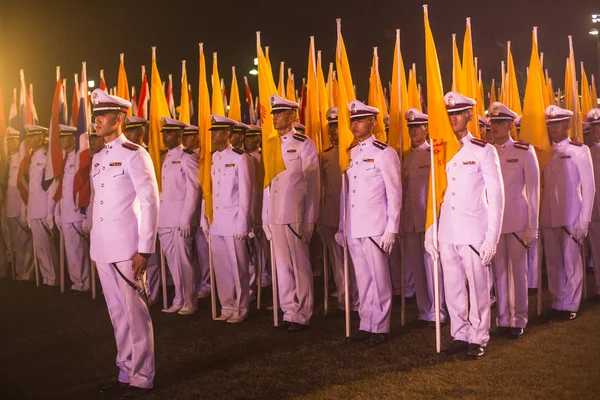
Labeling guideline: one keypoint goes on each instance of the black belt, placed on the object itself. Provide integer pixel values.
(141, 290)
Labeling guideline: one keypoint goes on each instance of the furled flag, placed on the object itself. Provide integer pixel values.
(102, 85)
(572, 96)
(376, 99)
(13, 114)
(54, 161)
(594, 93)
(457, 73)
(205, 137)
(248, 114)
(311, 99)
(34, 115)
(184, 103)
(323, 104)
(134, 105)
(444, 143)
(2, 135)
(533, 122)
(75, 101)
(144, 96)
(414, 99)
(271, 141)
(170, 98)
(83, 157)
(25, 117)
(398, 136)
(224, 92)
(193, 118)
(290, 92)
(586, 98)
(158, 109)
(512, 98)
(492, 92)
(469, 85)
(281, 84)
(345, 96)
(235, 107)
(122, 84)
(218, 107)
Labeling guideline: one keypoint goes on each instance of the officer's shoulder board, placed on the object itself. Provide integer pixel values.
(188, 151)
(521, 145)
(299, 137)
(130, 146)
(576, 143)
(162, 153)
(238, 151)
(352, 146)
(478, 142)
(380, 145)
(326, 150)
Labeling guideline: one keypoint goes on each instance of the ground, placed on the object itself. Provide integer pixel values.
(59, 346)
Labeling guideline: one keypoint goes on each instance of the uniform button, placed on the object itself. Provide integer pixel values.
(101, 201)
(220, 158)
(217, 195)
(276, 191)
(103, 167)
(217, 208)
(354, 191)
(218, 182)
(102, 185)
(106, 151)
(101, 219)
(453, 208)
(354, 176)
(455, 164)
(357, 163)
(161, 201)
(453, 179)
(352, 205)
(219, 170)
(453, 193)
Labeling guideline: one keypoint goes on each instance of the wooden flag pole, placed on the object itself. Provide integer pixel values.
(213, 291)
(163, 276)
(62, 262)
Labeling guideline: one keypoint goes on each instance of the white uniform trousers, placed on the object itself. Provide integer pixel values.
(395, 267)
(77, 252)
(153, 275)
(45, 250)
(132, 325)
(510, 276)
(23, 249)
(563, 264)
(179, 255)
(294, 274)
(336, 260)
(374, 283)
(469, 309)
(533, 265)
(230, 261)
(415, 255)
(594, 236)
(202, 268)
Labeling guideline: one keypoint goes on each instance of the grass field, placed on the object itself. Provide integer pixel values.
(62, 347)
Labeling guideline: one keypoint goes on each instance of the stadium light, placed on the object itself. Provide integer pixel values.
(255, 61)
(91, 84)
(253, 71)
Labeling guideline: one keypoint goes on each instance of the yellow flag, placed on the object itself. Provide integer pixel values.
(271, 142)
(184, 104)
(457, 74)
(290, 92)
(398, 132)
(158, 109)
(235, 106)
(444, 143)
(323, 104)
(376, 98)
(329, 86)
(336, 90)
(551, 98)
(205, 137)
(586, 97)
(312, 121)
(594, 93)
(572, 96)
(122, 84)
(492, 92)
(281, 84)
(217, 105)
(414, 99)
(512, 99)
(345, 96)
(480, 98)
(469, 80)
(533, 122)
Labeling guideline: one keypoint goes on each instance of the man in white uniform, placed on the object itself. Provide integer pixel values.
(566, 213)
(125, 219)
(232, 196)
(521, 177)
(469, 230)
(179, 208)
(15, 213)
(290, 212)
(593, 117)
(69, 218)
(40, 207)
(373, 204)
(416, 170)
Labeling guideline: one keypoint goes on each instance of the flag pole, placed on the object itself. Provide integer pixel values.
(213, 291)
(62, 262)
(259, 269)
(163, 277)
(37, 268)
(93, 274)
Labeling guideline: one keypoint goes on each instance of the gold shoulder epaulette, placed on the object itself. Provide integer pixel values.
(478, 142)
(380, 145)
(576, 143)
(521, 145)
(238, 151)
(188, 151)
(300, 137)
(130, 146)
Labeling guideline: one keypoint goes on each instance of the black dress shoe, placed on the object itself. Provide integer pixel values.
(475, 352)
(296, 327)
(113, 387)
(499, 331)
(569, 315)
(283, 325)
(133, 392)
(458, 346)
(360, 336)
(376, 339)
(516, 333)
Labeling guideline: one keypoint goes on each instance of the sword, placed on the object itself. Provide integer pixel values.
(520, 241)
(294, 232)
(141, 290)
(579, 243)
(81, 235)
(475, 251)
(378, 247)
(51, 234)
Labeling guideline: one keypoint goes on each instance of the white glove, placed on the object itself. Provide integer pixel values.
(487, 252)
(339, 238)
(307, 234)
(185, 230)
(50, 221)
(579, 229)
(85, 227)
(205, 227)
(387, 242)
(241, 235)
(529, 236)
(267, 230)
(431, 246)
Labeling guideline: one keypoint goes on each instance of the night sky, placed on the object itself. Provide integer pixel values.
(37, 35)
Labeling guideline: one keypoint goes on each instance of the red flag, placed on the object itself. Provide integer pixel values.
(102, 85)
(83, 158)
(144, 96)
(75, 102)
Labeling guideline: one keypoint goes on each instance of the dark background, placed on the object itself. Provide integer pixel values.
(38, 35)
